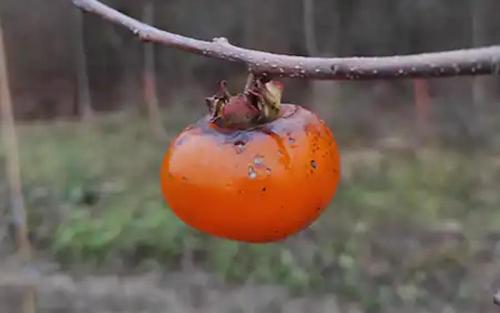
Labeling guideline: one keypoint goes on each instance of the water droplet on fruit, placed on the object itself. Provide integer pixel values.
(375, 72)
(258, 160)
(274, 65)
(252, 174)
(135, 31)
(314, 164)
(268, 171)
(317, 70)
(282, 70)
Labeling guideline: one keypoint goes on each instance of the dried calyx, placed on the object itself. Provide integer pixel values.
(259, 103)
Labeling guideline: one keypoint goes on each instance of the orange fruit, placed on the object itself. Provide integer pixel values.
(259, 184)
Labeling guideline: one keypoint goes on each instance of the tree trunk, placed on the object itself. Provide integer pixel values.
(9, 135)
(422, 107)
(479, 88)
(84, 99)
(309, 27)
(324, 94)
(150, 92)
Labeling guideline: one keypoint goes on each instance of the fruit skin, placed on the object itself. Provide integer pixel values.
(256, 185)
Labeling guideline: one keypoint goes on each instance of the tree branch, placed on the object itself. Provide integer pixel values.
(479, 61)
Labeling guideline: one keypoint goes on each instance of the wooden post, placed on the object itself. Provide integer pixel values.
(9, 137)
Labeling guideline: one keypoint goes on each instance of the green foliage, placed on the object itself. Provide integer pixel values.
(152, 232)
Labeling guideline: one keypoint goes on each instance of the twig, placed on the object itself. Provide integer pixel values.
(479, 61)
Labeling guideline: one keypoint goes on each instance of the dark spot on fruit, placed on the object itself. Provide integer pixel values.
(184, 178)
(318, 209)
(264, 189)
(314, 164)
(237, 138)
(239, 145)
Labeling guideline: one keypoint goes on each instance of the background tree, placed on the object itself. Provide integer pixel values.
(149, 77)
(322, 91)
(83, 90)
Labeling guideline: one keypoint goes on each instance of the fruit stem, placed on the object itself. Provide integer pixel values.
(265, 95)
(259, 103)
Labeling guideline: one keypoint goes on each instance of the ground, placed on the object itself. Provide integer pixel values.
(412, 228)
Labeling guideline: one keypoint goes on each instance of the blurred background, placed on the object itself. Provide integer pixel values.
(415, 224)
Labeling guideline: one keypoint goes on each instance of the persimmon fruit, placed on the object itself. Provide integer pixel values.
(253, 170)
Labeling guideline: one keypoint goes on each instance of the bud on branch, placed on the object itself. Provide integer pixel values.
(478, 61)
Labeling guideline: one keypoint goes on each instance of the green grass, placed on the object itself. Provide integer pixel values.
(402, 229)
